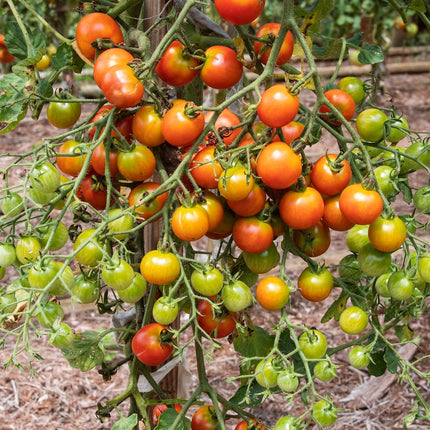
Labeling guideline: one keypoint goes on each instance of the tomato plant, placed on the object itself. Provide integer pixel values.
(315, 285)
(272, 293)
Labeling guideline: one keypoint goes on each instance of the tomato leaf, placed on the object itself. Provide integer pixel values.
(126, 423)
(392, 360)
(336, 308)
(377, 366)
(17, 43)
(417, 5)
(44, 88)
(66, 58)
(168, 417)
(255, 343)
(371, 54)
(249, 396)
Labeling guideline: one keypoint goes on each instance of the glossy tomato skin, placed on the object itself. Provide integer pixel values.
(213, 205)
(96, 26)
(252, 234)
(176, 66)
(387, 234)
(226, 125)
(92, 190)
(253, 203)
(353, 320)
(324, 413)
(277, 106)
(235, 183)
(63, 114)
(204, 418)
(278, 165)
(159, 267)
(99, 159)
(152, 205)
(333, 216)
(146, 126)
(221, 69)
(5, 56)
(373, 262)
(207, 281)
(301, 209)
(180, 129)
(205, 169)
(370, 124)
(342, 101)
(138, 164)
(218, 324)
(236, 296)
(354, 87)
(239, 12)
(90, 254)
(315, 286)
(313, 241)
(359, 205)
(190, 223)
(110, 57)
(313, 344)
(262, 262)
(292, 131)
(330, 181)
(70, 158)
(272, 293)
(148, 346)
(270, 31)
(121, 87)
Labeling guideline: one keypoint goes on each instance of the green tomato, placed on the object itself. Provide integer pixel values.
(325, 371)
(349, 269)
(400, 285)
(7, 303)
(66, 281)
(7, 254)
(313, 344)
(28, 249)
(85, 289)
(118, 276)
(357, 237)
(372, 261)
(358, 357)
(384, 175)
(41, 275)
(262, 262)
(61, 336)
(49, 314)
(135, 291)
(59, 233)
(324, 413)
(381, 285)
(236, 296)
(399, 128)
(287, 381)
(424, 266)
(45, 178)
(266, 374)
(287, 422)
(120, 224)
(354, 87)
(420, 151)
(11, 204)
(2, 272)
(370, 124)
(208, 281)
(422, 199)
(91, 252)
(165, 310)
(40, 197)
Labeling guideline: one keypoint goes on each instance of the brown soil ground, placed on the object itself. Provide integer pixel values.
(60, 397)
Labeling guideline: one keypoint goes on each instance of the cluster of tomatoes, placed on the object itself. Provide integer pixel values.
(243, 181)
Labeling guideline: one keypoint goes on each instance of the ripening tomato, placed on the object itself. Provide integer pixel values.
(277, 106)
(221, 69)
(387, 234)
(99, 160)
(145, 203)
(373, 262)
(179, 126)
(205, 168)
(190, 223)
(207, 281)
(301, 209)
(5, 56)
(176, 66)
(93, 190)
(213, 205)
(63, 114)
(236, 296)
(278, 165)
(110, 57)
(226, 126)
(272, 293)
(239, 12)
(353, 320)
(262, 262)
(96, 26)
(253, 203)
(360, 205)
(330, 177)
(333, 216)
(370, 124)
(313, 241)
(292, 131)
(149, 345)
(235, 183)
(342, 101)
(315, 286)
(252, 234)
(218, 322)
(88, 248)
(70, 157)
(121, 87)
(224, 228)
(138, 164)
(160, 267)
(324, 413)
(252, 425)
(270, 31)
(204, 419)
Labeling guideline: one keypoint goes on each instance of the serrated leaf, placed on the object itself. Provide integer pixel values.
(66, 57)
(371, 54)
(391, 360)
(377, 365)
(44, 88)
(167, 418)
(126, 423)
(249, 396)
(17, 43)
(417, 5)
(256, 343)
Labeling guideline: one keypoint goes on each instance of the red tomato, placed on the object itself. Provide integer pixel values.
(123, 126)
(278, 165)
(205, 169)
(178, 127)
(96, 26)
(359, 205)
(176, 66)
(148, 345)
(253, 203)
(255, 425)
(159, 409)
(110, 57)
(146, 126)
(98, 160)
(277, 106)
(190, 223)
(292, 131)
(342, 101)
(252, 234)
(313, 241)
(121, 87)
(5, 55)
(223, 125)
(221, 69)
(93, 190)
(272, 293)
(327, 179)
(301, 209)
(137, 164)
(204, 419)
(239, 12)
(152, 205)
(224, 228)
(72, 161)
(333, 216)
(270, 31)
(218, 322)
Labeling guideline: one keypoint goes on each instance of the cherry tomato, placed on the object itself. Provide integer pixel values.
(324, 413)
(40, 275)
(420, 152)
(262, 262)
(235, 183)
(313, 344)
(360, 205)
(207, 281)
(292, 131)
(373, 262)
(226, 125)
(236, 296)
(159, 409)
(315, 285)
(424, 266)
(135, 291)
(138, 164)
(421, 199)
(265, 373)
(205, 168)
(224, 228)
(214, 208)
(146, 126)
(221, 68)
(358, 357)
(270, 31)
(387, 234)
(286, 422)
(385, 176)
(99, 159)
(354, 87)
(85, 290)
(119, 223)
(313, 241)
(49, 314)
(148, 345)
(61, 336)
(353, 320)
(253, 203)
(63, 114)
(272, 293)
(357, 237)
(118, 275)
(252, 234)
(325, 371)
(217, 322)
(252, 425)
(239, 12)
(342, 101)
(381, 285)
(28, 249)
(278, 165)
(5, 56)
(121, 87)
(176, 66)
(96, 26)
(349, 269)
(400, 285)
(55, 234)
(7, 254)
(11, 204)
(190, 223)
(165, 310)
(44, 62)
(277, 106)
(159, 267)
(110, 57)
(204, 418)
(88, 248)
(333, 216)
(370, 124)
(93, 190)
(399, 127)
(70, 158)
(152, 205)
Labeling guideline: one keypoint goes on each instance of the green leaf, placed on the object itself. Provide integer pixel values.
(17, 43)
(167, 418)
(392, 360)
(336, 308)
(65, 57)
(404, 333)
(249, 396)
(417, 5)
(377, 366)
(255, 343)
(44, 88)
(126, 423)
(13, 104)
(371, 54)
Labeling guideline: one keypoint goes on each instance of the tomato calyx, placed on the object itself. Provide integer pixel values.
(191, 110)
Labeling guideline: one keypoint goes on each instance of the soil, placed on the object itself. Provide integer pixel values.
(60, 397)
